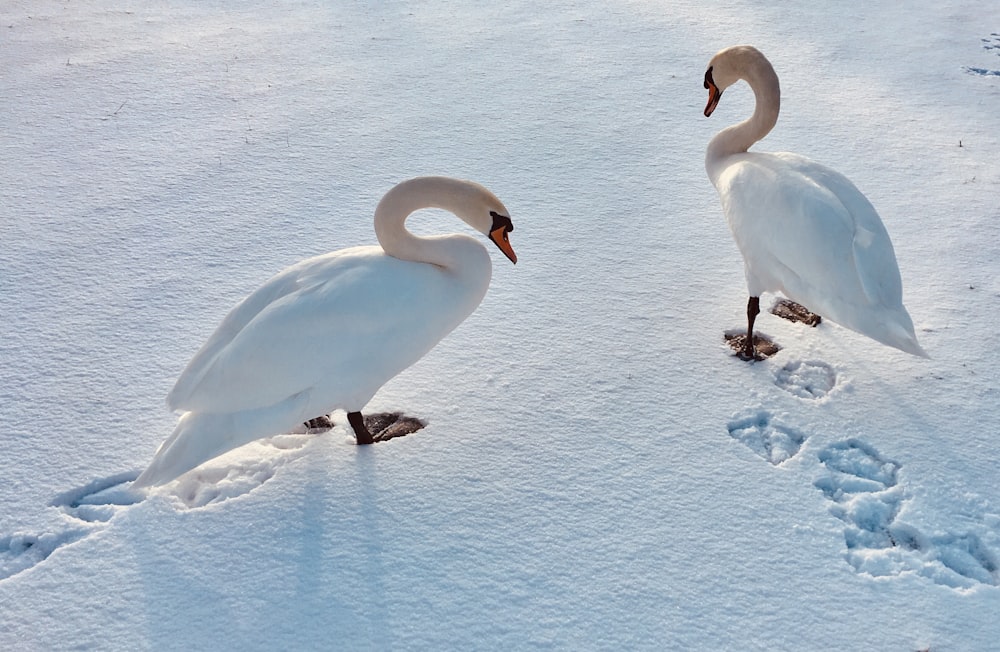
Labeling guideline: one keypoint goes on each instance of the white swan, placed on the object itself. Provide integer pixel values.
(804, 230)
(328, 332)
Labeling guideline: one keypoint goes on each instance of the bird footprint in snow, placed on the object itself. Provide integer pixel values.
(91, 508)
(768, 438)
(99, 500)
(239, 472)
(87, 511)
(21, 550)
(806, 379)
(865, 493)
(990, 44)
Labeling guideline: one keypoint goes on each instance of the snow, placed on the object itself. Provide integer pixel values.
(598, 472)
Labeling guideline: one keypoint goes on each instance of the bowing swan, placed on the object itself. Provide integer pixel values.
(804, 230)
(328, 332)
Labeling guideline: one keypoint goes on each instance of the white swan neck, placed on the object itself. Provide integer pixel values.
(738, 138)
(403, 200)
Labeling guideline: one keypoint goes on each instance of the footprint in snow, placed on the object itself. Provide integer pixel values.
(87, 508)
(90, 508)
(234, 474)
(865, 493)
(99, 500)
(239, 473)
(21, 550)
(990, 44)
(768, 438)
(807, 379)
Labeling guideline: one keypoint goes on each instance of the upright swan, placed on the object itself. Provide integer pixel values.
(328, 332)
(804, 230)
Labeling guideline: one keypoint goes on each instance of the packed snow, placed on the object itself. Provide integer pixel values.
(598, 471)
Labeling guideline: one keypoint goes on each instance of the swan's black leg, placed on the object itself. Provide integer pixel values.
(360, 431)
(753, 309)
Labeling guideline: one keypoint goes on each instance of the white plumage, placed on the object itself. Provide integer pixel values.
(328, 332)
(804, 230)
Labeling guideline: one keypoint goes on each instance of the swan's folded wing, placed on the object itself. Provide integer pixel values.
(343, 331)
(809, 228)
(874, 257)
(286, 282)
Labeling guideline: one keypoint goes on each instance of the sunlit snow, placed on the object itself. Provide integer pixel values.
(598, 471)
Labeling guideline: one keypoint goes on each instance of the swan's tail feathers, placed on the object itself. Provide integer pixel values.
(898, 333)
(910, 345)
(201, 436)
(917, 350)
(197, 438)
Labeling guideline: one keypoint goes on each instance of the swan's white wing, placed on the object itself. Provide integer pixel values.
(874, 257)
(354, 319)
(278, 286)
(807, 231)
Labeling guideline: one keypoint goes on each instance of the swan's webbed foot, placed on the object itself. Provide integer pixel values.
(788, 309)
(384, 425)
(319, 424)
(388, 425)
(762, 349)
(750, 347)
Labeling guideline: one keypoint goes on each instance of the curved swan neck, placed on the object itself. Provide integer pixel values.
(738, 138)
(406, 198)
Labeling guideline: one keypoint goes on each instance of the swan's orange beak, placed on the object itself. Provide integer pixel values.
(498, 234)
(714, 94)
(500, 239)
(713, 99)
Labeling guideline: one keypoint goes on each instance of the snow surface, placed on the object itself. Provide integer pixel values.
(598, 472)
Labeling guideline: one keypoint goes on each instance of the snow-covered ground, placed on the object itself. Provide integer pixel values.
(598, 472)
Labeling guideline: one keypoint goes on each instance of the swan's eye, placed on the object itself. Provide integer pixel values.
(709, 82)
(501, 222)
